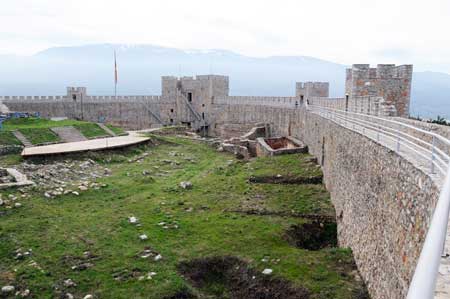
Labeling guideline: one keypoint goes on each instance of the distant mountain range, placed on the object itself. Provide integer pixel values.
(141, 66)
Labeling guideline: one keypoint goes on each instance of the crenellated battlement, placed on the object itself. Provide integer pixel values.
(382, 71)
(87, 98)
(33, 98)
(290, 102)
(191, 100)
(72, 89)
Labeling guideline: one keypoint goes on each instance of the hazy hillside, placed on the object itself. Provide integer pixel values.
(431, 94)
(141, 66)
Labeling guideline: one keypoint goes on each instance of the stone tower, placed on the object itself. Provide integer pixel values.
(76, 93)
(391, 82)
(194, 96)
(304, 90)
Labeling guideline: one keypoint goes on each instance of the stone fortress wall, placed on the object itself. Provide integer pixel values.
(383, 202)
(192, 100)
(127, 111)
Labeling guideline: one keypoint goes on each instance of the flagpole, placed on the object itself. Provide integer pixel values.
(115, 75)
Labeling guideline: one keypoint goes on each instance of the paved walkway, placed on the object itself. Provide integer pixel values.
(82, 146)
(69, 134)
(22, 138)
(443, 279)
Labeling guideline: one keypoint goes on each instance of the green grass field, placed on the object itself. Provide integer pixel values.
(36, 123)
(7, 138)
(285, 166)
(59, 230)
(117, 130)
(37, 130)
(91, 130)
(40, 135)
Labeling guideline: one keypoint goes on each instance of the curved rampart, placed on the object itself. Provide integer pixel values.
(383, 202)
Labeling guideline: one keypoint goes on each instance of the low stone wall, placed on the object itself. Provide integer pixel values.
(279, 146)
(383, 203)
(237, 120)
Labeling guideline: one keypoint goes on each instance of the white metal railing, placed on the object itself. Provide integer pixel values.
(431, 151)
(428, 148)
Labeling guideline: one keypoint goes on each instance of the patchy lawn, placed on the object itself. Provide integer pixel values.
(91, 130)
(117, 130)
(296, 165)
(10, 160)
(36, 123)
(40, 135)
(87, 237)
(8, 138)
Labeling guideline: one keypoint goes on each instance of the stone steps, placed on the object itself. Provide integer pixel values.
(22, 138)
(68, 134)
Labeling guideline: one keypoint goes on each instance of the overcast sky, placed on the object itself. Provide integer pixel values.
(344, 31)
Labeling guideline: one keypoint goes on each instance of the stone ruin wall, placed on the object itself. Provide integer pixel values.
(383, 203)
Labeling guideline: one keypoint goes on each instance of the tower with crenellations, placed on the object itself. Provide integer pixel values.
(389, 81)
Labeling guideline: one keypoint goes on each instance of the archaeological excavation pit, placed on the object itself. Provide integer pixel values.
(314, 235)
(231, 277)
(279, 146)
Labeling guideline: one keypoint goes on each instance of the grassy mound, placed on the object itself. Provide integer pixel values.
(91, 130)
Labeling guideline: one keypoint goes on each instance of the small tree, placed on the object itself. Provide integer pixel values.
(440, 121)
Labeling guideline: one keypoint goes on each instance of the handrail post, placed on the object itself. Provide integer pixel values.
(433, 154)
(346, 107)
(378, 133)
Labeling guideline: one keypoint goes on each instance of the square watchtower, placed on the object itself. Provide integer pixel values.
(389, 81)
(76, 93)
